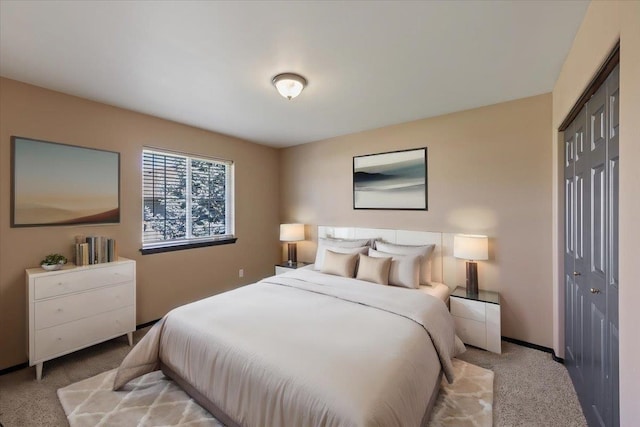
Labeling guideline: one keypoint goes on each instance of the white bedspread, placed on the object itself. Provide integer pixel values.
(306, 349)
(439, 290)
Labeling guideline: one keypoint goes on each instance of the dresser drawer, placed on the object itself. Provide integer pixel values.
(56, 311)
(70, 281)
(81, 333)
(474, 310)
(471, 331)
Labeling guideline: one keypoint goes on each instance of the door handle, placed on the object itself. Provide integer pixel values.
(576, 273)
(595, 290)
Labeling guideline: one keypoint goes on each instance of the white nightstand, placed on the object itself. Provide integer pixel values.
(285, 266)
(477, 318)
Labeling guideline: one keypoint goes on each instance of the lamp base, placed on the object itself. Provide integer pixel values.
(293, 253)
(472, 278)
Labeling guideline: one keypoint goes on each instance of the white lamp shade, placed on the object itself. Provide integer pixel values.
(289, 85)
(471, 247)
(291, 232)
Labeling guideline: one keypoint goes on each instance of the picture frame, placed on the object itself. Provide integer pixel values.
(56, 184)
(394, 180)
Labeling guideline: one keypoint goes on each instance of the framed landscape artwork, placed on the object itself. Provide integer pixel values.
(393, 180)
(59, 184)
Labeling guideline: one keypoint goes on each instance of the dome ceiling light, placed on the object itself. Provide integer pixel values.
(289, 85)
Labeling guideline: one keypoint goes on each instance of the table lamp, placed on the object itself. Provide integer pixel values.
(292, 233)
(471, 248)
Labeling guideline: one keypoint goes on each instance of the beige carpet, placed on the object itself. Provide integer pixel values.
(154, 400)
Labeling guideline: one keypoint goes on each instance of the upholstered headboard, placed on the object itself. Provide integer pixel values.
(442, 264)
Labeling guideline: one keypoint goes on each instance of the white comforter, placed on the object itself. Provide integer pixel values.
(306, 349)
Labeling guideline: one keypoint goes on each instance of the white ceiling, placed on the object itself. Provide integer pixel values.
(368, 64)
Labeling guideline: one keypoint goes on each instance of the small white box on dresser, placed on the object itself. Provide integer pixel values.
(477, 318)
(77, 307)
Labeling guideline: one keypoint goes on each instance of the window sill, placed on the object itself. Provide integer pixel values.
(184, 246)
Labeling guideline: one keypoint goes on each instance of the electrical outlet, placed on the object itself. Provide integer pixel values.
(241, 272)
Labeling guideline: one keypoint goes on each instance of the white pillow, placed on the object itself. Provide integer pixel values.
(373, 269)
(320, 255)
(404, 271)
(340, 264)
(424, 251)
(324, 242)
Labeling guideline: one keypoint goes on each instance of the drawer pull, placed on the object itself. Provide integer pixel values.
(59, 310)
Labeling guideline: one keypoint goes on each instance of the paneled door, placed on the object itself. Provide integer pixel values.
(576, 191)
(591, 253)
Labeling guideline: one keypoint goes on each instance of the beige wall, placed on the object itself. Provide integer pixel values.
(164, 280)
(603, 25)
(489, 172)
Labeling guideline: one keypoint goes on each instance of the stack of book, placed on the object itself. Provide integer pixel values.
(95, 250)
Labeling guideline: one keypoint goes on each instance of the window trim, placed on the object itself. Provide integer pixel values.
(188, 245)
(195, 242)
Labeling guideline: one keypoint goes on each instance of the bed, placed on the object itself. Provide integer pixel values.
(306, 349)
(438, 290)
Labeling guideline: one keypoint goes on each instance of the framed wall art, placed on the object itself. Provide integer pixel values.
(59, 184)
(393, 180)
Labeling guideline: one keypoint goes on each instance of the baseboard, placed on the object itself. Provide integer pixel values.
(26, 364)
(144, 325)
(13, 369)
(535, 347)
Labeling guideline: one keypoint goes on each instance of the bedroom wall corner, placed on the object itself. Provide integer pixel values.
(164, 280)
(629, 316)
(489, 172)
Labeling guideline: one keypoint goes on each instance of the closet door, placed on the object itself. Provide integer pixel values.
(596, 273)
(569, 250)
(576, 246)
(613, 162)
(591, 254)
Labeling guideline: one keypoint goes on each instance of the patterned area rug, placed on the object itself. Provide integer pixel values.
(154, 400)
(466, 402)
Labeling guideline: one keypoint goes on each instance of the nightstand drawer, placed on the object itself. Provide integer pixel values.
(470, 331)
(285, 267)
(282, 270)
(473, 310)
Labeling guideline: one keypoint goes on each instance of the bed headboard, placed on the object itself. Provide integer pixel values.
(443, 266)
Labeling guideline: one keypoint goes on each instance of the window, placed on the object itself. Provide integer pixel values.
(187, 201)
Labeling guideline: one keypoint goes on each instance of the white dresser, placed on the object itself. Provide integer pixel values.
(77, 307)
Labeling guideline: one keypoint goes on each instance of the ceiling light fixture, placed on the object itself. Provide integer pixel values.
(289, 85)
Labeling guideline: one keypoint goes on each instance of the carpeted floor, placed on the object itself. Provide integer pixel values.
(530, 389)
